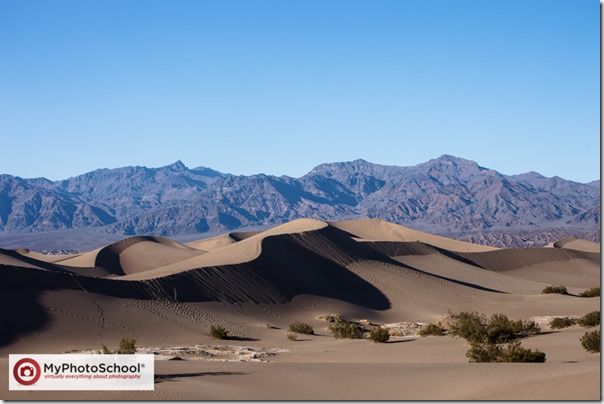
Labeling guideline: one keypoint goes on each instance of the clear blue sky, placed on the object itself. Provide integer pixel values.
(280, 86)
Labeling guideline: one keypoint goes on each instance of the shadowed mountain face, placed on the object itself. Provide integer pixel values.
(447, 195)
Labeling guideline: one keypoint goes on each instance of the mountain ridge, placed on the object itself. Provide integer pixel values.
(444, 195)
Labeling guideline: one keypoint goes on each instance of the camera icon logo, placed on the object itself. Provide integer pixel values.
(26, 371)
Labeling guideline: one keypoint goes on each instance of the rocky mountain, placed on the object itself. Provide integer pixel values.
(447, 195)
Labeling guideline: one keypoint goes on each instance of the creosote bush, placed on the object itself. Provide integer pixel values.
(475, 328)
(432, 329)
(218, 332)
(593, 292)
(562, 322)
(590, 319)
(127, 346)
(334, 318)
(468, 325)
(346, 330)
(301, 328)
(292, 336)
(591, 341)
(379, 335)
(510, 352)
(555, 289)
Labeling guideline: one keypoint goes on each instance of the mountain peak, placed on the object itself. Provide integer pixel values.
(176, 166)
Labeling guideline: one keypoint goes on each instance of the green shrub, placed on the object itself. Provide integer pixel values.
(593, 292)
(379, 335)
(105, 350)
(510, 352)
(562, 322)
(468, 325)
(334, 318)
(591, 341)
(127, 346)
(555, 289)
(475, 328)
(218, 332)
(484, 352)
(590, 319)
(292, 336)
(501, 329)
(346, 330)
(301, 328)
(432, 329)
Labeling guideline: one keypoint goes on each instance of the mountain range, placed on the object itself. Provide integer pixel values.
(447, 195)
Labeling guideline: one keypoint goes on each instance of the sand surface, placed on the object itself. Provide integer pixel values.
(166, 295)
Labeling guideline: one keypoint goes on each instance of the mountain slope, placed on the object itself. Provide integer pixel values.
(447, 195)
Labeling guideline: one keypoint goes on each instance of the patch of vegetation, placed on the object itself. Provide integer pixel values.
(346, 330)
(593, 292)
(105, 350)
(468, 325)
(127, 346)
(475, 328)
(562, 322)
(301, 328)
(218, 332)
(292, 336)
(501, 329)
(510, 352)
(591, 341)
(334, 318)
(590, 319)
(560, 289)
(379, 335)
(432, 329)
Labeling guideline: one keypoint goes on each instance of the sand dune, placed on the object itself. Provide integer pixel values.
(379, 230)
(165, 293)
(578, 244)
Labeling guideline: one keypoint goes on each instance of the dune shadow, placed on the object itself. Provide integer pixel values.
(238, 338)
(20, 311)
(400, 341)
(175, 376)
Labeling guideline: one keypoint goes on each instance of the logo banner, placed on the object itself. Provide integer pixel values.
(81, 372)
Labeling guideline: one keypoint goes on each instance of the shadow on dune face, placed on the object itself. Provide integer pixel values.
(175, 376)
(20, 313)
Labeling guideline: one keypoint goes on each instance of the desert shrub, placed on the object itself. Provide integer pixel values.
(484, 352)
(501, 329)
(591, 341)
(514, 352)
(334, 318)
(469, 325)
(218, 332)
(379, 335)
(510, 352)
(105, 350)
(562, 322)
(475, 328)
(292, 336)
(555, 289)
(431, 329)
(593, 292)
(301, 328)
(590, 319)
(346, 330)
(127, 346)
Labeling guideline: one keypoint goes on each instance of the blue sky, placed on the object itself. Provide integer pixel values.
(280, 86)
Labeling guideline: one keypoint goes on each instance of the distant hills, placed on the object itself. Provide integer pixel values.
(446, 195)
